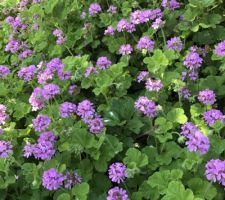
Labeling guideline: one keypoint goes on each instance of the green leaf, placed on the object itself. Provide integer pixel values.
(63, 196)
(135, 159)
(81, 191)
(135, 125)
(176, 191)
(177, 115)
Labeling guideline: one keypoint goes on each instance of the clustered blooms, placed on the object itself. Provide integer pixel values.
(103, 62)
(94, 9)
(153, 85)
(26, 53)
(41, 123)
(43, 149)
(112, 9)
(3, 114)
(146, 106)
(207, 97)
(5, 148)
(175, 44)
(193, 60)
(109, 31)
(15, 23)
(170, 4)
(72, 89)
(117, 193)
(124, 25)
(143, 75)
(220, 49)
(13, 45)
(126, 49)
(67, 109)
(4, 71)
(60, 36)
(86, 111)
(117, 172)
(215, 171)
(185, 92)
(53, 180)
(27, 73)
(145, 43)
(213, 115)
(196, 140)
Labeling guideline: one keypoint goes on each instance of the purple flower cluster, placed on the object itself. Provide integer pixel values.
(41, 123)
(193, 60)
(124, 25)
(60, 36)
(170, 4)
(26, 53)
(94, 8)
(212, 116)
(117, 172)
(72, 89)
(185, 92)
(27, 73)
(215, 171)
(50, 91)
(15, 23)
(220, 49)
(86, 111)
(4, 71)
(158, 23)
(175, 44)
(43, 149)
(126, 49)
(146, 106)
(13, 45)
(71, 179)
(90, 70)
(196, 140)
(117, 193)
(143, 75)
(37, 99)
(109, 31)
(67, 109)
(5, 148)
(145, 43)
(112, 9)
(207, 97)
(3, 114)
(52, 180)
(103, 62)
(153, 85)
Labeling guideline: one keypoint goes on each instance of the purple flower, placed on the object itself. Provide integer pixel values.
(146, 106)
(142, 76)
(43, 150)
(124, 25)
(109, 31)
(94, 9)
(23, 3)
(5, 148)
(117, 193)
(72, 89)
(117, 172)
(193, 75)
(55, 65)
(146, 43)
(71, 179)
(14, 22)
(220, 49)
(47, 136)
(207, 97)
(185, 92)
(36, 99)
(153, 85)
(90, 70)
(188, 128)
(60, 36)
(96, 125)
(183, 75)
(103, 62)
(112, 9)
(28, 150)
(175, 44)
(50, 91)
(41, 122)
(13, 46)
(52, 180)
(215, 171)
(193, 60)
(170, 4)
(158, 23)
(4, 71)
(27, 73)
(44, 76)
(85, 110)
(3, 114)
(67, 109)
(25, 54)
(198, 142)
(126, 49)
(212, 116)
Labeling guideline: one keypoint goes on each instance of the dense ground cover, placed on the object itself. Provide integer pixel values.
(112, 100)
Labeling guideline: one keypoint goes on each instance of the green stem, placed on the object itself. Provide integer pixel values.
(164, 38)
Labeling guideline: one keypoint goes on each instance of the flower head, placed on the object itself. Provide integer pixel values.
(41, 123)
(96, 125)
(143, 75)
(117, 193)
(117, 172)
(175, 44)
(212, 116)
(67, 109)
(103, 62)
(193, 60)
(71, 179)
(50, 91)
(4, 71)
(94, 8)
(3, 115)
(5, 148)
(170, 4)
(27, 73)
(146, 43)
(85, 110)
(109, 31)
(207, 97)
(153, 85)
(220, 49)
(126, 49)
(37, 99)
